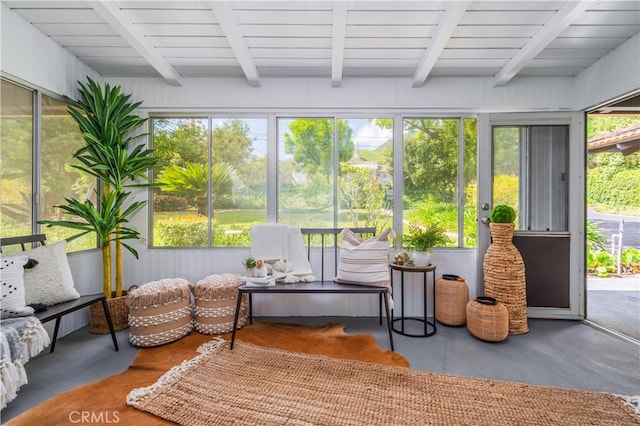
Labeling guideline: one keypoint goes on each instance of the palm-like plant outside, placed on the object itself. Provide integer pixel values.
(106, 119)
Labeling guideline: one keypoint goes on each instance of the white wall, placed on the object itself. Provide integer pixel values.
(29, 55)
(618, 73)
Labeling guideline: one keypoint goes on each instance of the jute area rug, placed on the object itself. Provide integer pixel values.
(254, 385)
(103, 402)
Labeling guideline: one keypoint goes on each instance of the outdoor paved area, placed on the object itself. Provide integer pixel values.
(614, 303)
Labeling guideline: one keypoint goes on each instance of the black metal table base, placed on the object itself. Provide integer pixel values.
(421, 320)
(424, 319)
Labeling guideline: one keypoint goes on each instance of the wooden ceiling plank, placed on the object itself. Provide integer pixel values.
(338, 33)
(569, 12)
(224, 14)
(448, 23)
(110, 12)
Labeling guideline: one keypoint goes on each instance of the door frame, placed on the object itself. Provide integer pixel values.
(576, 202)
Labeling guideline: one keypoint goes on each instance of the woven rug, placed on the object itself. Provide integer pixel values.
(256, 385)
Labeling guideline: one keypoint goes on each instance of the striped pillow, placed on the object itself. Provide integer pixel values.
(364, 262)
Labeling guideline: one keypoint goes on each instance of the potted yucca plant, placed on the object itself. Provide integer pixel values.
(107, 121)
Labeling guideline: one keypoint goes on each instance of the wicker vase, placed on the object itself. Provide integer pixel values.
(119, 315)
(504, 277)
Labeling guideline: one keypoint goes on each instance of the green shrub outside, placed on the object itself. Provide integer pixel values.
(183, 231)
(169, 203)
(618, 189)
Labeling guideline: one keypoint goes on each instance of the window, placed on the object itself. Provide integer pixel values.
(212, 175)
(335, 172)
(530, 166)
(58, 137)
(17, 160)
(439, 166)
(58, 179)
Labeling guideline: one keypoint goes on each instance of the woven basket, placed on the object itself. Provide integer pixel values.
(216, 297)
(504, 276)
(159, 312)
(487, 319)
(118, 311)
(452, 296)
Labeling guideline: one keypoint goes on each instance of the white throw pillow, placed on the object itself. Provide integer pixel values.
(364, 262)
(12, 302)
(50, 282)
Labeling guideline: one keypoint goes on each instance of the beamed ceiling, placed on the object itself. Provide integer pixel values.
(335, 39)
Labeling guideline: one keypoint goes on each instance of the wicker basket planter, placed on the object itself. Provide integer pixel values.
(452, 296)
(487, 319)
(119, 315)
(504, 276)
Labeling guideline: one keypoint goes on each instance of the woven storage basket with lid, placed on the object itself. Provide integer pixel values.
(215, 303)
(487, 319)
(452, 296)
(159, 312)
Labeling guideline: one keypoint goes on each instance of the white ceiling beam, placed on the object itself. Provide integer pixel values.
(559, 22)
(231, 29)
(451, 17)
(112, 14)
(338, 36)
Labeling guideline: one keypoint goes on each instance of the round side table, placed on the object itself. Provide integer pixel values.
(424, 270)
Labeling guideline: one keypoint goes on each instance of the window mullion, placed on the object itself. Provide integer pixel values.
(460, 182)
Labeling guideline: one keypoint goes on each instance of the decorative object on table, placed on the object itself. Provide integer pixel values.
(249, 264)
(452, 296)
(260, 271)
(421, 239)
(504, 271)
(282, 247)
(111, 154)
(487, 319)
(159, 312)
(215, 303)
(401, 258)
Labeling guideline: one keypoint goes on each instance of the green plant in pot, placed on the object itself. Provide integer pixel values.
(249, 263)
(421, 239)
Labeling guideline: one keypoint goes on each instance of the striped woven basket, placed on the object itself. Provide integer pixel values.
(504, 276)
(159, 312)
(215, 303)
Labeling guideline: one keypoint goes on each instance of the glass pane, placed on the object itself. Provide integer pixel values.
(238, 179)
(306, 169)
(547, 199)
(470, 182)
(61, 137)
(430, 175)
(506, 167)
(180, 205)
(365, 182)
(16, 153)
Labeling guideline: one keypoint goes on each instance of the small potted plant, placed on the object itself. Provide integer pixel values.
(249, 263)
(421, 239)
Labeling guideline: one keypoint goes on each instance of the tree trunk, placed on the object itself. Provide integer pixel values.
(106, 269)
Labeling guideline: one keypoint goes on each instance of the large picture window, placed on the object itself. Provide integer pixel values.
(58, 137)
(335, 172)
(212, 179)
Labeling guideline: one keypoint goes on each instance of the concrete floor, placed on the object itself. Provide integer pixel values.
(614, 303)
(554, 353)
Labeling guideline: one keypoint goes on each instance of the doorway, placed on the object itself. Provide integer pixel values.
(613, 217)
(534, 162)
